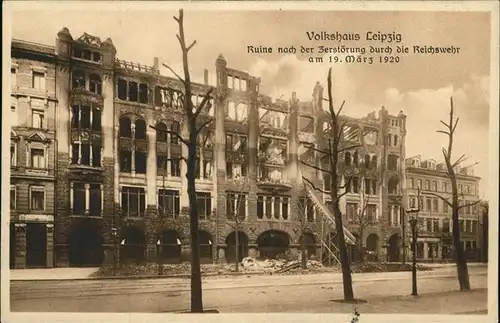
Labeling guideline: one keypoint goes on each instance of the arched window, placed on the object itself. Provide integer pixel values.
(95, 84)
(125, 127)
(78, 80)
(161, 133)
(140, 129)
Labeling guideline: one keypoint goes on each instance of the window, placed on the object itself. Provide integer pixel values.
(412, 183)
(175, 167)
(445, 187)
(13, 76)
(427, 185)
(435, 205)
(96, 57)
(143, 93)
(79, 198)
(395, 140)
(95, 84)
(446, 225)
(413, 202)
(168, 203)
(132, 91)
(371, 213)
(306, 207)
(96, 119)
(474, 226)
(347, 158)
(204, 203)
(140, 162)
(122, 89)
(79, 80)
(85, 117)
(435, 224)
(392, 162)
(133, 201)
(38, 119)
(95, 200)
(12, 197)
(419, 183)
(351, 212)
(355, 185)
(37, 199)
(207, 169)
(125, 161)
(367, 161)
(38, 80)
(434, 186)
(175, 129)
(429, 225)
(368, 186)
(236, 206)
(355, 159)
(428, 204)
(374, 162)
(37, 158)
(13, 154)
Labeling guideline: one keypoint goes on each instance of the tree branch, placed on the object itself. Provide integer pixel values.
(203, 125)
(184, 141)
(172, 70)
(341, 107)
(441, 197)
(349, 148)
(191, 46)
(314, 187)
(201, 106)
(459, 160)
(468, 204)
(315, 167)
(326, 152)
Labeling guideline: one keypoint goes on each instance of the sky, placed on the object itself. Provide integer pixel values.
(419, 85)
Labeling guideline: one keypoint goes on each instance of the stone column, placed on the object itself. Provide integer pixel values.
(293, 156)
(253, 139)
(221, 253)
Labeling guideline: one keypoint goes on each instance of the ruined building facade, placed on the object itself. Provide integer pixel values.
(115, 188)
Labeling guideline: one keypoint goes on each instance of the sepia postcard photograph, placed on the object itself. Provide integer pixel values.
(281, 161)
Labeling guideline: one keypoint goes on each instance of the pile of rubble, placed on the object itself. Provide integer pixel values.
(281, 266)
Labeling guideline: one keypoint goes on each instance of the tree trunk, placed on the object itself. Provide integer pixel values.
(462, 270)
(303, 260)
(196, 290)
(361, 249)
(344, 259)
(237, 243)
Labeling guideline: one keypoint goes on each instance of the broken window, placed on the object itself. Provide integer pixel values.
(207, 139)
(95, 200)
(271, 118)
(125, 161)
(236, 143)
(86, 54)
(392, 162)
(140, 162)
(271, 174)
(175, 128)
(168, 203)
(140, 129)
(158, 96)
(78, 80)
(235, 170)
(96, 119)
(85, 117)
(347, 158)
(204, 203)
(161, 132)
(96, 57)
(277, 207)
(273, 150)
(355, 185)
(237, 112)
(122, 89)
(351, 212)
(351, 133)
(374, 162)
(143, 93)
(132, 91)
(393, 186)
(367, 161)
(75, 120)
(175, 167)
(125, 127)
(236, 206)
(95, 84)
(306, 124)
(370, 137)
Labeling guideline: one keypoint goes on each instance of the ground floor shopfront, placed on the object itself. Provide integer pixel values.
(31, 243)
(442, 250)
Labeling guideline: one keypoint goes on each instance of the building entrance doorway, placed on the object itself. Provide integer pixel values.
(36, 245)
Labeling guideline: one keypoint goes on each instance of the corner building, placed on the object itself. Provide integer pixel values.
(120, 187)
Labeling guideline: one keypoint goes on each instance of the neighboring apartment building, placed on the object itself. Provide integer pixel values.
(120, 186)
(435, 241)
(33, 146)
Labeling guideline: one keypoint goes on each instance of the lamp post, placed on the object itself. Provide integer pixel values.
(413, 222)
(403, 224)
(114, 234)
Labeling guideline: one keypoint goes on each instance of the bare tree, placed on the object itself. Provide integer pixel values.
(302, 228)
(195, 126)
(235, 217)
(460, 259)
(362, 221)
(335, 147)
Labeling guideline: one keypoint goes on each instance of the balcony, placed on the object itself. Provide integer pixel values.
(273, 179)
(83, 96)
(271, 159)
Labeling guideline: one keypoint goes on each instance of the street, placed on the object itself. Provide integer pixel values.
(254, 294)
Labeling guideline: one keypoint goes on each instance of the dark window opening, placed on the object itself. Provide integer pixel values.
(75, 153)
(85, 159)
(367, 186)
(125, 127)
(374, 186)
(277, 207)
(169, 204)
(75, 120)
(161, 132)
(356, 159)
(392, 162)
(125, 161)
(395, 140)
(347, 158)
(158, 97)
(393, 186)
(161, 162)
(175, 128)
(79, 198)
(95, 84)
(95, 199)
(133, 201)
(260, 206)
(122, 89)
(355, 185)
(140, 129)
(327, 181)
(96, 119)
(78, 80)
(86, 54)
(204, 203)
(285, 208)
(132, 91)
(175, 168)
(374, 162)
(140, 162)
(85, 117)
(143, 93)
(96, 155)
(367, 161)
(96, 57)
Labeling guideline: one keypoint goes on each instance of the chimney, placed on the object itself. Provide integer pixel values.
(205, 76)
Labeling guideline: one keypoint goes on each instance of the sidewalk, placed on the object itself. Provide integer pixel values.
(52, 273)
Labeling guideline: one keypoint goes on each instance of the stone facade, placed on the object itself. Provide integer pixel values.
(435, 242)
(118, 188)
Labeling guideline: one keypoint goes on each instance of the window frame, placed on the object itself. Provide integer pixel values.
(37, 188)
